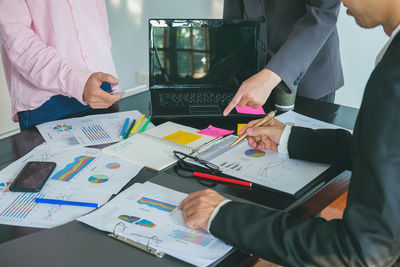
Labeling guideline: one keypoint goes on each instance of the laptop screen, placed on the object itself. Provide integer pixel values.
(218, 53)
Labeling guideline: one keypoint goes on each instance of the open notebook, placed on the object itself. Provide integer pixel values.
(152, 150)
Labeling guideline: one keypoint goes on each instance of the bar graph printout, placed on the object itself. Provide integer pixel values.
(89, 130)
(82, 174)
(149, 211)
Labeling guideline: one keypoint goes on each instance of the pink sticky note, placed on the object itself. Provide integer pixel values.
(214, 131)
(249, 110)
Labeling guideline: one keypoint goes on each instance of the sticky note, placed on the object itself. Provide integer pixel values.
(240, 126)
(249, 110)
(214, 131)
(182, 137)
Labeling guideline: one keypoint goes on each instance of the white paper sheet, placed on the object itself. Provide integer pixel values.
(266, 167)
(82, 174)
(156, 205)
(296, 119)
(89, 130)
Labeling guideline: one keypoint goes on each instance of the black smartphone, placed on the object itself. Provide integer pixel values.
(33, 176)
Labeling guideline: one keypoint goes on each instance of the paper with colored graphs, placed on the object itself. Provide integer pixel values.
(267, 167)
(82, 174)
(150, 217)
(88, 130)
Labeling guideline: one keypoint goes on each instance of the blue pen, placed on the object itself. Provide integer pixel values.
(124, 128)
(64, 202)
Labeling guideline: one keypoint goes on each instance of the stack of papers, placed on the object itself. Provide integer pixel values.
(82, 174)
(150, 215)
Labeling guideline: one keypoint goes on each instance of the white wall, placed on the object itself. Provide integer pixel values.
(128, 21)
(358, 48)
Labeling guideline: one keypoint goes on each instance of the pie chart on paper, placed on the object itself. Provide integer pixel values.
(98, 179)
(254, 153)
(113, 165)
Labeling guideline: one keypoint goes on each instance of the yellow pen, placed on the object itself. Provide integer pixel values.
(137, 124)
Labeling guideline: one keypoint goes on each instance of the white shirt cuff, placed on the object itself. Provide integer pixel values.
(284, 140)
(215, 212)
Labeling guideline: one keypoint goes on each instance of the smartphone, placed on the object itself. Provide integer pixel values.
(33, 176)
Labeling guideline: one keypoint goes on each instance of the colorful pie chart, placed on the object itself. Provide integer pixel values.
(254, 153)
(62, 128)
(113, 165)
(98, 179)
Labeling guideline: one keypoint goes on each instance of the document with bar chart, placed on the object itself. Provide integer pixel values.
(82, 174)
(89, 130)
(150, 216)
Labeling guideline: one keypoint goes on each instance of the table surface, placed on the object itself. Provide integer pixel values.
(80, 235)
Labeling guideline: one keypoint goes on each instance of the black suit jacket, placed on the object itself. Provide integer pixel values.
(298, 41)
(369, 233)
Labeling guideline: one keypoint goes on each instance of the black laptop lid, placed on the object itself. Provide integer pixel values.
(188, 53)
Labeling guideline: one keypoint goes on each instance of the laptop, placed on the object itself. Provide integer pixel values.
(197, 65)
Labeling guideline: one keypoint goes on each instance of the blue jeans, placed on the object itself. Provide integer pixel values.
(55, 108)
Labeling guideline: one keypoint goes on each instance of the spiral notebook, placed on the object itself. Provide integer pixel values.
(154, 148)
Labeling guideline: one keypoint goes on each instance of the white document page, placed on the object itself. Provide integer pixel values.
(89, 130)
(82, 174)
(266, 167)
(149, 212)
(296, 119)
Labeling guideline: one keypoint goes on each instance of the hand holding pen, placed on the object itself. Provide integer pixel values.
(266, 136)
(257, 124)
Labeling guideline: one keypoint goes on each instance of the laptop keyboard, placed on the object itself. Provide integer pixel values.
(180, 99)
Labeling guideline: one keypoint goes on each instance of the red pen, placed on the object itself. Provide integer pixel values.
(222, 179)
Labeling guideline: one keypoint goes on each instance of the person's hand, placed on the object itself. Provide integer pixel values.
(198, 207)
(97, 97)
(254, 91)
(266, 136)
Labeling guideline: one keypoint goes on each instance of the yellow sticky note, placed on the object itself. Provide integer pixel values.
(240, 126)
(182, 137)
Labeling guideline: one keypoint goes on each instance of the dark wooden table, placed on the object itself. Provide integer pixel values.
(16, 146)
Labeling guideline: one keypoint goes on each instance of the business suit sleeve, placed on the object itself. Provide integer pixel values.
(308, 36)
(369, 233)
(332, 146)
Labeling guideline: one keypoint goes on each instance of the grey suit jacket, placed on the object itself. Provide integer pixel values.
(369, 233)
(298, 41)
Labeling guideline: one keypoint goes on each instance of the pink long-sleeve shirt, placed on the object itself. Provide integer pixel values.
(51, 47)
